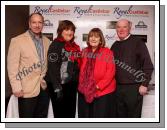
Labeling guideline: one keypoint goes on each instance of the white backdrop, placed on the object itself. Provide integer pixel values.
(86, 17)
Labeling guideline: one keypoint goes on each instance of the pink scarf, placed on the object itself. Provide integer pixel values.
(87, 85)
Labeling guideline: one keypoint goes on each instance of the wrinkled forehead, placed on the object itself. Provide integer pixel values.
(123, 23)
(36, 17)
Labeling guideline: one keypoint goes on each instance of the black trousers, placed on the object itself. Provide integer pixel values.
(129, 101)
(64, 107)
(101, 107)
(36, 107)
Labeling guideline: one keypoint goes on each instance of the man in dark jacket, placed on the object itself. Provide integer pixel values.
(133, 71)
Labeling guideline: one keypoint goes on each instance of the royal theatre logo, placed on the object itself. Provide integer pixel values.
(129, 12)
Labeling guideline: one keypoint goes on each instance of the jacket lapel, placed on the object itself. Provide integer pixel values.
(45, 47)
(31, 43)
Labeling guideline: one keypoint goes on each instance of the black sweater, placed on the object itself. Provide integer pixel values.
(60, 69)
(133, 63)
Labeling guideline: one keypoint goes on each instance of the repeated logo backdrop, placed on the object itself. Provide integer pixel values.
(86, 17)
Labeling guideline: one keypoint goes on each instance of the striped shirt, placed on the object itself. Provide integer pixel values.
(39, 45)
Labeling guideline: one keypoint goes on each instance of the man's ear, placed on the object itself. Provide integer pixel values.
(130, 24)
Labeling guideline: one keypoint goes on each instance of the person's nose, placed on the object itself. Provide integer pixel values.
(121, 30)
(38, 25)
(93, 38)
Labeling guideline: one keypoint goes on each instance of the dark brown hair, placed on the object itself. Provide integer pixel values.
(65, 25)
(96, 32)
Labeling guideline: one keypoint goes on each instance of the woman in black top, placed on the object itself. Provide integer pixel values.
(63, 70)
